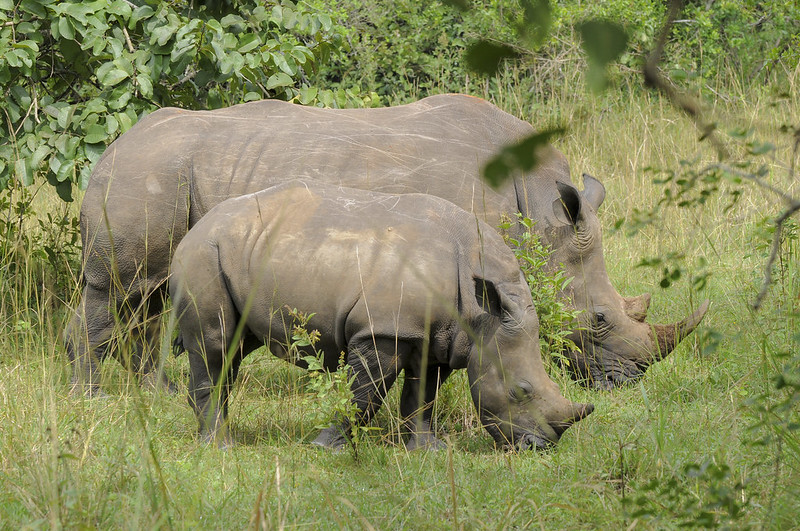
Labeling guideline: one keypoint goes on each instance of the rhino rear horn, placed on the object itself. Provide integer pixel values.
(667, 337)
(636, 307)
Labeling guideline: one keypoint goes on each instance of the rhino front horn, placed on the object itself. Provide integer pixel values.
(667, 337)
(575, 413)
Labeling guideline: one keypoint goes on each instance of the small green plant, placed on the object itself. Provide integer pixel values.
(556, 317)
(330, 392)
(702, 495)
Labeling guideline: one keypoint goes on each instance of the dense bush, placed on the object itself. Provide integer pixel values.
(405, 50)
(74, 75)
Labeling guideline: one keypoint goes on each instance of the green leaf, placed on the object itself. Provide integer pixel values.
(83, 177)
(760, 148)
(113, 76)
(308, 95)
(93, 152)
(64, 191)
(485, 57)
(23, 172)
(96, 134)
(65, 116)
(249, 42)
(603, 41)
(140, 13)
(65, 170)
(278, 79)
(7, 4)
(519, 156)
(39, 155)
(145, 85)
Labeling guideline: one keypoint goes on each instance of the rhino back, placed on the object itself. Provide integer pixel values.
(358, 260)
(164, 174)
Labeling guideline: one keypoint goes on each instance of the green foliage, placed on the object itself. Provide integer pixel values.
(330, 392)
(556, 317)
(74, 75)
(519, 156)
(404, 49)
(746, 38)
(47, 245)
(704, 495)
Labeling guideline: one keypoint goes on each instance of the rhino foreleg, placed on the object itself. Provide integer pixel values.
(417, 410)
(375, 364)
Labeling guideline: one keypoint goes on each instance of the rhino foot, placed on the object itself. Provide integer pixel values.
(153, 382)
(88, 390)
(332, 438)
(424, 441)
(223, 441)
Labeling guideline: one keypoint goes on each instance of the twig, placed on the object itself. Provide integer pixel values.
(773, 255)
(653, 78)
(746, 175)
(128, 39)
(794, 206)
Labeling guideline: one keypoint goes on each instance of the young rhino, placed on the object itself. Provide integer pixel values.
(397, 282)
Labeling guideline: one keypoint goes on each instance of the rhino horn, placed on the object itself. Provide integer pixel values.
(667, 337)
(636, 307)
(573, 413)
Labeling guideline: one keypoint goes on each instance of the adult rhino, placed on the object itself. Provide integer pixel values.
(159, 178)
(397, 282)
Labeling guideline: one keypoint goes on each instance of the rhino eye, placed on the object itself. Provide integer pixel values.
(600, 317)
(522, 392)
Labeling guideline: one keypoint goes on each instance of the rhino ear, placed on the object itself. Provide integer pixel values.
(487, 296)
(593, 191)
(567, 208)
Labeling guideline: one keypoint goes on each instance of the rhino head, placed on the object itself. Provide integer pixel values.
(615, 343)
(518, 403)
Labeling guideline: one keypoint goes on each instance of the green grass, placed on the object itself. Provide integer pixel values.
(133, 461)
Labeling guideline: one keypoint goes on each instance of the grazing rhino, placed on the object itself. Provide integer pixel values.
(397, 282)
(159, 178)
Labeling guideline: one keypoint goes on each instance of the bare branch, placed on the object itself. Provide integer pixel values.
(751, 177)
(684, 102)
(773, 255)
(128, 39)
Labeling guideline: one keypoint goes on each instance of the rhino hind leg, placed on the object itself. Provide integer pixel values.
(145, 360)
(93, 334)
(88, 339)
(209, 393)
(207, 320)
(417, 410)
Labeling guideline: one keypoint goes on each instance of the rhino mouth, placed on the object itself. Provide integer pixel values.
(612, 371)
(531, 441)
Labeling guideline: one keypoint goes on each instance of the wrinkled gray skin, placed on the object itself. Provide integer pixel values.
(159, 178)
(397, 282)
